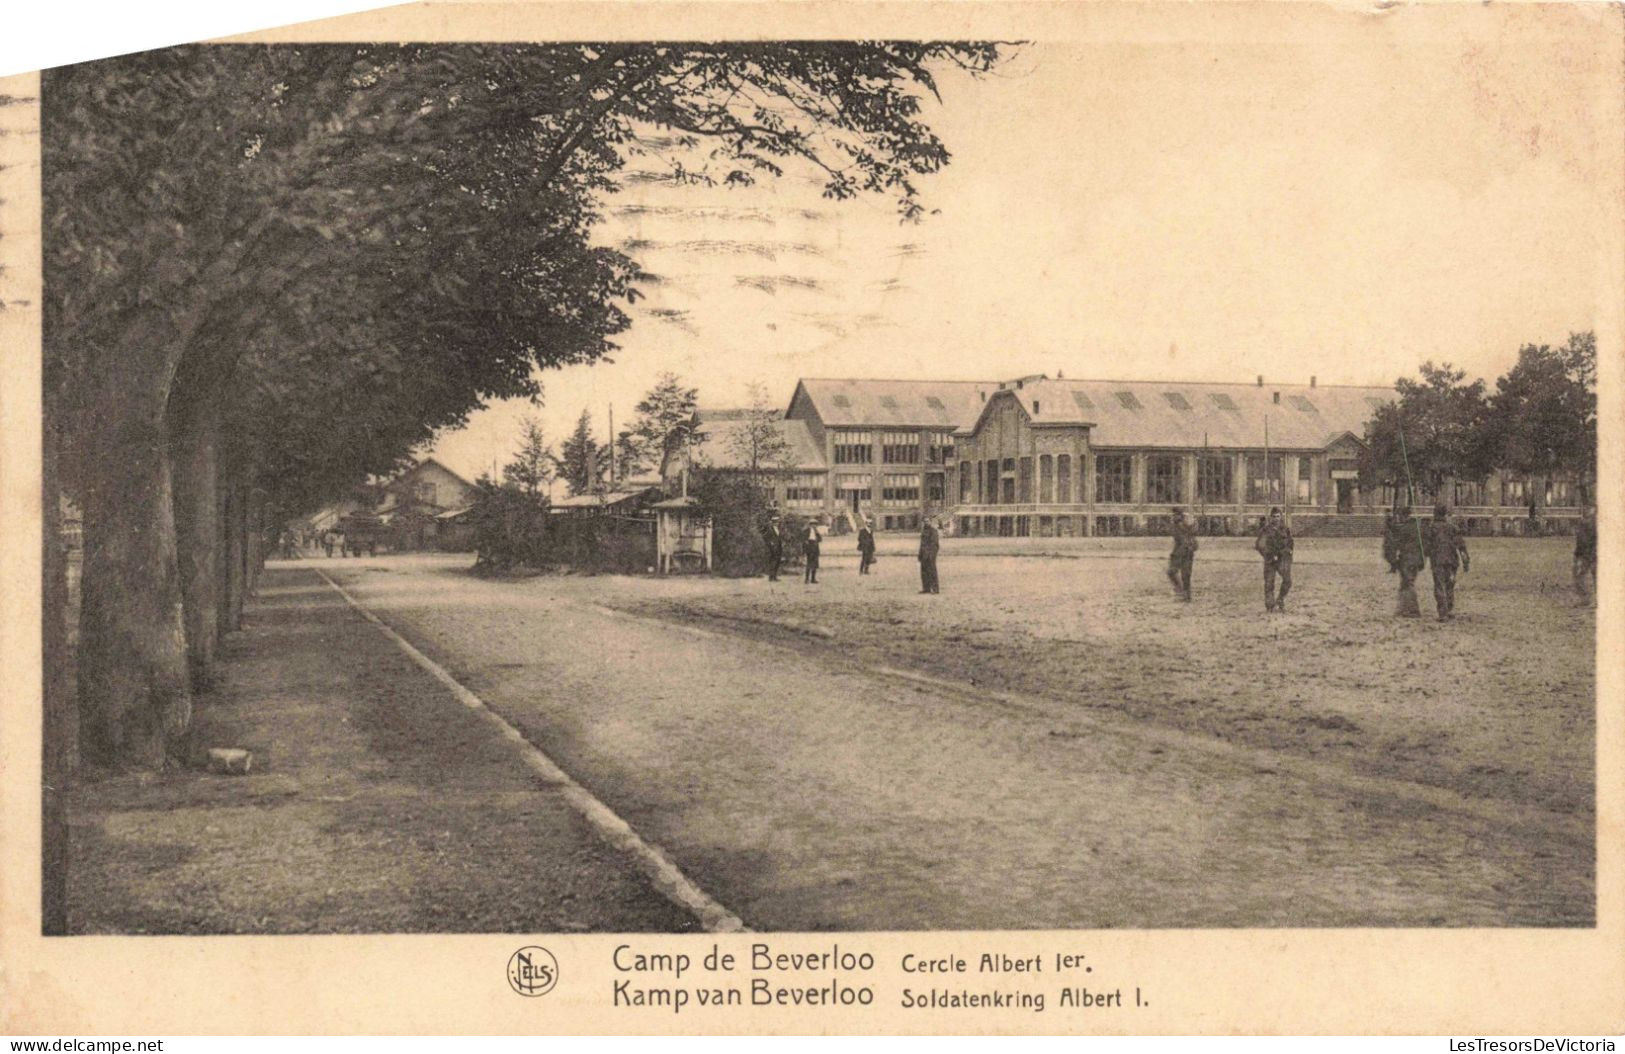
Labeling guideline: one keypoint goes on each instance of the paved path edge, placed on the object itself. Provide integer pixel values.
(654, 864)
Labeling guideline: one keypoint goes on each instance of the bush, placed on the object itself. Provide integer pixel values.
(740, 509)
(601, 544)
(509, 527)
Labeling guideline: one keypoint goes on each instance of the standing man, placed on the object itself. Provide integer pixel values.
(930, 543)
(866, 546)
(1390, 543)
(1447, 548)
(774, 537)
(1184, 554)
(1585, 553)
(1410, 554)
(1275, 546)
(811, 543)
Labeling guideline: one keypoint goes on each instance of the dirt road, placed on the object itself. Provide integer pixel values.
(806, 790)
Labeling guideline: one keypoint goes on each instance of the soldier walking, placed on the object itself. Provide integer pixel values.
(1410, 555)
(811, 543)
(1585, 553)
(930, 543)
(1183, 556)
(866, 546)
(774, 537)
(1447, 548)
(1275, 546)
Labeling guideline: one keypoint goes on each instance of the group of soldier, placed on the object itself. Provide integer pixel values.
(1408, 546)
(1274, 544)
(812, 544)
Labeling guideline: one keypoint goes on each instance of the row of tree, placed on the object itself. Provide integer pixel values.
(585, 465)
(1540, 420)
(273, 271)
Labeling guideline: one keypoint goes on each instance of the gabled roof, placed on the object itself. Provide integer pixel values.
(1193, 414)
(1045, 407)
(895, 404)
(722, 429)
(421, 466)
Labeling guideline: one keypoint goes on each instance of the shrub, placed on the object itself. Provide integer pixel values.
(509, 527)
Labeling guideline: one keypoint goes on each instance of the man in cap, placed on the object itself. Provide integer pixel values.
(1183, 556)
(1275, 546)
(930, 543)
(811, 543)
(773, 536)
(866, 545)
(1447, 549)
(1411, 555)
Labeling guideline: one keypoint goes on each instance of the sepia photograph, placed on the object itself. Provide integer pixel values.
(823, 482)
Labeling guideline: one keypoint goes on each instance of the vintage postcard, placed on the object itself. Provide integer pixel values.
(826, 517)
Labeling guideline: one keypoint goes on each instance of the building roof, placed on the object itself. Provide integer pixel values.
(722, 428)
(1191, 414)
(847, 403)
(423, 466)
(593, 500)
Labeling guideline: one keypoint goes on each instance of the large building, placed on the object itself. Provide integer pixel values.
(1037, 456)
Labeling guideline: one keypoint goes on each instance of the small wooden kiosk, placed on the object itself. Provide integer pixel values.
(683, 539)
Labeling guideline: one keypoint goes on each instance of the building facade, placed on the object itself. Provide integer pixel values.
(1046, 457)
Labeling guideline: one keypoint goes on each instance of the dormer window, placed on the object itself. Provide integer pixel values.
(1035, 406)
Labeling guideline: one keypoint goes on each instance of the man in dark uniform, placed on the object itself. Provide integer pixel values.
(773, 535)
(1184, 554)
(1447, 548)
(930, 543)
(811, 543)
(1585, 553)
(1390, 543)
(1275, 546)
(866, 546)
(1411, 556)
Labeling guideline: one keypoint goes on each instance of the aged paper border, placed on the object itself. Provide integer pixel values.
(1472, 982)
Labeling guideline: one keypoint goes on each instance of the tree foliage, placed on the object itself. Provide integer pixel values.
(1438, 429)
(759, 444)
(1545, 409)
(531, 469)
(341, 249)
(580, 459)
(664, 415)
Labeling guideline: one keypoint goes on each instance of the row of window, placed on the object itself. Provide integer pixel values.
(896, 448)
(1011, 481)
(1514, 493)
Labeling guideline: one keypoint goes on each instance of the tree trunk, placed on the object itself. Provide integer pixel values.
(233, 559)
(256, 540)
(57, 733)
(134, 689)
(196, 467)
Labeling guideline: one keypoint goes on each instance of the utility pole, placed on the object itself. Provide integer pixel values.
(611, 441)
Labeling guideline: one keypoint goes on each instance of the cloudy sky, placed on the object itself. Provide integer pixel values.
(1344, 204)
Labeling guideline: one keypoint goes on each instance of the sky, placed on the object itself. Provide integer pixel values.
(1344, 204)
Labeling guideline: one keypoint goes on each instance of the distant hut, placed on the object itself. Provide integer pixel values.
(683, 537)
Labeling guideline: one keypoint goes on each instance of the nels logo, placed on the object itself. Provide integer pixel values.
(532, 970)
